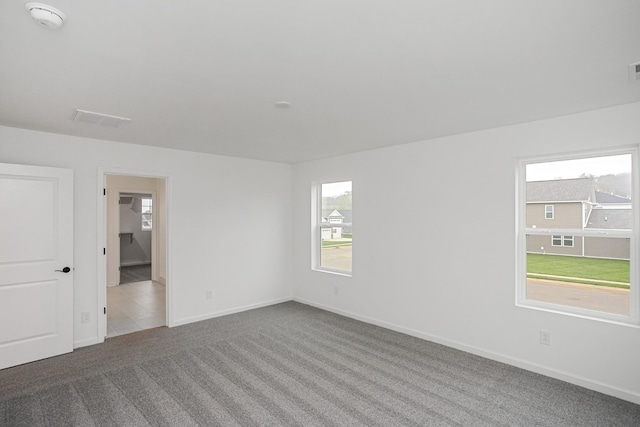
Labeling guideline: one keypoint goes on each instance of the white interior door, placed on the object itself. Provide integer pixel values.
(36, 244)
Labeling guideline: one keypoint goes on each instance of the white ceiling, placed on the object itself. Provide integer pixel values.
(204, 75)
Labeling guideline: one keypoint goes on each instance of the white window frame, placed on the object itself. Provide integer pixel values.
(551, 211)
(522, 231)
(563, 240)
(318, 225)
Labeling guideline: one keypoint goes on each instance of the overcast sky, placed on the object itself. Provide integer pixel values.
(575, 168)
(335, 188)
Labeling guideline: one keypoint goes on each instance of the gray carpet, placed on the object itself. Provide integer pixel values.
(290, 364)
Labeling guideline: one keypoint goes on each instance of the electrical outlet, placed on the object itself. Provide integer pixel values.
(545, 338)
(208, 294)
(85, 317)
(336, 290)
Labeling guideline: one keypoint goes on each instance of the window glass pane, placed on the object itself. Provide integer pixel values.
(593, 283)
(147, 209)
(548, 211)
(590, 196)
(336, 240)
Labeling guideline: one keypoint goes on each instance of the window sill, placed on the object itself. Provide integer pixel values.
(614, 319)
(335, 272)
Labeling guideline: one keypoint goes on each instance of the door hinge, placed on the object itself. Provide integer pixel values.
(104, 191)
(104, 251)
(105, 310)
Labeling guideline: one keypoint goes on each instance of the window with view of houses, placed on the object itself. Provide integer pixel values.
(334, 230)
(147, 214)
(577, 236)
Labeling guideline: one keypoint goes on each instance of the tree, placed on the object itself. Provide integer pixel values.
(342, 201)
(618, 184)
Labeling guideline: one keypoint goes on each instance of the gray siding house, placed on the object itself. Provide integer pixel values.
(574, 204)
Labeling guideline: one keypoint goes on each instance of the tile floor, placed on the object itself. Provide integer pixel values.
(135, 306)
(135, 273)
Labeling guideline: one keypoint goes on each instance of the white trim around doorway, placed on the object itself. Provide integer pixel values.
(101, 302)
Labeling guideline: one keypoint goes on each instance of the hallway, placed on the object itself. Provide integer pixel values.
(134, 307)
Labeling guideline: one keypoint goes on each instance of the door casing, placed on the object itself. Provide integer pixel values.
(102, 241)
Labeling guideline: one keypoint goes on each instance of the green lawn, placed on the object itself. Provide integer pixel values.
(326, 243)
(588, 268)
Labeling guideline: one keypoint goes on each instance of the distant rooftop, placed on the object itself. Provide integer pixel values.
(610, 198)
(560, 190)
(611, 219)
(347, 214)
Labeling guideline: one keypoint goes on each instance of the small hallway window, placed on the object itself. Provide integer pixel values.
(147, 214)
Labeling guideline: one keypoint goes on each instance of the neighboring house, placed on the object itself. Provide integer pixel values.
(341, 220)
(574, 204)
(611, 213)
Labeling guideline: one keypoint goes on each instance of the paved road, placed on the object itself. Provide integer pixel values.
(600, 298)
(338, 257)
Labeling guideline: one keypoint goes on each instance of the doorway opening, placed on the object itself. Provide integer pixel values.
(136, 226)
(136, 254)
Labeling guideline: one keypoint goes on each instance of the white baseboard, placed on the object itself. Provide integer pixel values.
(533, 367)
(207, 316)
(162, 280)
(134, 263)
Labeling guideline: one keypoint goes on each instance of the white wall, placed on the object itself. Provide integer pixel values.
(448, 273)
(229, 222)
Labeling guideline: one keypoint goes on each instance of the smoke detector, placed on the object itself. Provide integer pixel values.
(47, 16)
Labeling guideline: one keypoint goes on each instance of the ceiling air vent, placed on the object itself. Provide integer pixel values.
(99, 118)
(634, 72)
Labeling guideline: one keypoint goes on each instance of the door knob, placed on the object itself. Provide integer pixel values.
(64, 270)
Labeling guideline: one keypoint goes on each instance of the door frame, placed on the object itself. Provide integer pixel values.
(102, 242)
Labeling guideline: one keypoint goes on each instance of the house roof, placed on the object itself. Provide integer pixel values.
(205, 75)
(345, 213)
(562, 190)
(619, 219)
(610, 198)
